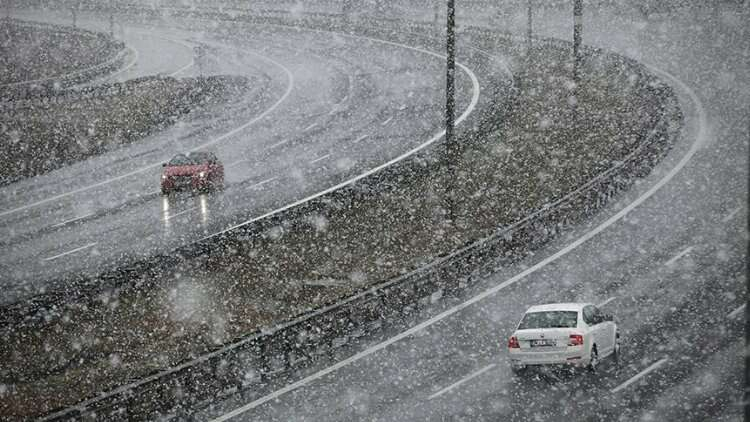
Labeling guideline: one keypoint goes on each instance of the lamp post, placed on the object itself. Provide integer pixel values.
(450, 142)
(528, 27)
(577, 36)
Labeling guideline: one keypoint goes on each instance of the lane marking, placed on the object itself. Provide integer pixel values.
(169, 217)
(360, 138)
(700, 139)
(71, 251)
(320, 159)
(463, 380)
(259, 184)
(388, 120)
(731, 214)
(184, 44)
(111, 76)
(236, 163)
(639, 375)
(605, 302)
(736, 312)
(310, 127)
(278, 144)
(290, 87)
(678, 256)
(73, 220)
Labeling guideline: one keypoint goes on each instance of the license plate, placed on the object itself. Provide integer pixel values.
(543, 343)
(183, 181)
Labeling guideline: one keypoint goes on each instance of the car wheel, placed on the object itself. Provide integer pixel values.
(517, 370)
(594, 360)
(616, 352)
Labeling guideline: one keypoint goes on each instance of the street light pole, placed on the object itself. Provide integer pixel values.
(528, 27)
(577, 36)
(450, 142)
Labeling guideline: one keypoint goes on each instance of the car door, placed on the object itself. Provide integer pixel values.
(595, 329)
(606, 330)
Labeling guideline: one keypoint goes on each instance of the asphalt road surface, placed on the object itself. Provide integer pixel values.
(322, 109)
(668, 259)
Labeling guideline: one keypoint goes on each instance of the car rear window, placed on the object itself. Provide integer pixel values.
(549, 319)
(180, 160)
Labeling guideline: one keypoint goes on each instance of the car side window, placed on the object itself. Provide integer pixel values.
(588, 315)
(598, 315)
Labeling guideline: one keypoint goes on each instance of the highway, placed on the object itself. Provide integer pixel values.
(668, 259)
(322, 109)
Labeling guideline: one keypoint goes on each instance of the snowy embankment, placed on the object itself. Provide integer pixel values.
(359, 260)
(39, 57)
(43, 133)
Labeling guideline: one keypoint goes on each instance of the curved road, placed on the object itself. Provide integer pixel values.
(668, 259)
(322, 109)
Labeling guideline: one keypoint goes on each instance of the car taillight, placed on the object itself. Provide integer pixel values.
(575, 340)
(513, 343)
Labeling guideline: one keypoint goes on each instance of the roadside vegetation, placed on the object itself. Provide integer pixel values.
(555, 136)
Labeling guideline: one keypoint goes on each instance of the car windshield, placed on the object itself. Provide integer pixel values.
(180, 160)
(549, 319)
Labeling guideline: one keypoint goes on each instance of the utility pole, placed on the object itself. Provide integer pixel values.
(577, 35)
(112, 18)
(528, 28)
(75, 14)
(450, 102)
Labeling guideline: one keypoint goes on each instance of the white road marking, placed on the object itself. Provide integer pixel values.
(278, 144)
(320, 159)
(71, 251)
(731, 214)
(640, 375)
(388, 120)
(192, 56)
(736, 312)
(463, 380)
(678, 256)
(73, 220)
(290, 87)
(605, 302)
(310, 127)
(179, 213)
(259, 184)
(235, 163)
(360, 138)
(136, 56)
(699, 140)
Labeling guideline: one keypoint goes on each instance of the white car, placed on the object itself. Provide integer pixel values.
(573, 334)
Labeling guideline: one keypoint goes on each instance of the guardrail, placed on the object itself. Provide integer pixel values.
(312, 339)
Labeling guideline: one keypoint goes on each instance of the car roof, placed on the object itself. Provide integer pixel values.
(570, 306)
